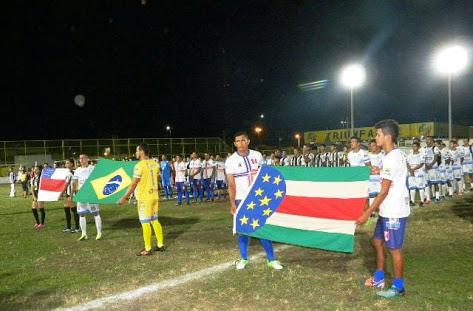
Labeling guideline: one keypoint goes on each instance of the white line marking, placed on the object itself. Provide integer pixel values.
(133, 294)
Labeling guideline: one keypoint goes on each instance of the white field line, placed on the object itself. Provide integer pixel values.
(154, 287)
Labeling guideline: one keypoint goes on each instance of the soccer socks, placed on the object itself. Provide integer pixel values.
(437, 195)
(427, 193)
(378, 275)
(243, 241)
(43, 215)
(76, 216)
(399, 283)
(83, 225)
(421, 194)
(413, 196)
(158, 231)
(147, 236)
(268, 248)
(67, 212)
(35, 214)
(98, 224)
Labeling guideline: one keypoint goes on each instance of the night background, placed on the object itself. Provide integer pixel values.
(209, 68)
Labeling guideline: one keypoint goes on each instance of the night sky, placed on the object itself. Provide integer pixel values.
(209, 68)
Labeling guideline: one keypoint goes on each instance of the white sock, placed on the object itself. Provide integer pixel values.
(427, 193)
(437, 195)
(98, 224)
(83, 225)
(461, 186)
(450, 190)
(421, 194)
(413, 195)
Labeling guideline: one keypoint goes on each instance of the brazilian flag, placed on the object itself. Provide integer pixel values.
(107, 183)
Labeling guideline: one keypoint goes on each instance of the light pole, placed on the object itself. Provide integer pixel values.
(169, 129)
(261, 116)
(451, 61)
(258, 131)
(298, 137)
(353, 76)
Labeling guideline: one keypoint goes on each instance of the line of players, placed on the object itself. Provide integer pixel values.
(194, 177)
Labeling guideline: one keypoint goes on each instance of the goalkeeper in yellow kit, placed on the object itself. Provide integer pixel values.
(145, 186)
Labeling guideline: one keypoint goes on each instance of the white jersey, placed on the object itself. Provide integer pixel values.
(220, 170)
(244, 170)
(429, 155)
(414, 159)
(359, 158)
(396, 203)
(207, 168)
(194, 167)
(467, 156)
(456, 156)
(81, 174)
(444, 156)
(180, 168)
(376, 159)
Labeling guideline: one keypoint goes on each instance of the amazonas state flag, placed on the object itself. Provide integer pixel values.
(311, 207)
(107, 183)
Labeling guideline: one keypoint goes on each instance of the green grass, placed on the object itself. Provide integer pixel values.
(48, 269)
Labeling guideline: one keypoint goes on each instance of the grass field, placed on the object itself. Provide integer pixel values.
(48, 269)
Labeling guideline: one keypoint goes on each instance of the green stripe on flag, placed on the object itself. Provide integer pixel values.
(325, 174)
(314, 239)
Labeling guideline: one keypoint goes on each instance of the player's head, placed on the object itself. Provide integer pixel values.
(355, 143)
(178, 158)
(241, 141)
(217, 157)
(163, 157)
(453, 144)
(387, 132)
(84, 160)
(142, 151)
(429, 140)
(69, 163)
(373, 146)
(206, 156)
(193, 155)
(466, 142)
(415, 146)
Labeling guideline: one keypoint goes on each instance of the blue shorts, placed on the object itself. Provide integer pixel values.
(220, 184)
(391, 231)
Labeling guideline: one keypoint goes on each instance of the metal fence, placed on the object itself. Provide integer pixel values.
(113, 148)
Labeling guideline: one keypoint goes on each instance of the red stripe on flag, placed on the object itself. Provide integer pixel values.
(329, 208)
(55, 185)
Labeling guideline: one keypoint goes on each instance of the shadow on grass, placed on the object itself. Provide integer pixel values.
(28, 211)
(7, 303)
(173, 227)
(464, 209)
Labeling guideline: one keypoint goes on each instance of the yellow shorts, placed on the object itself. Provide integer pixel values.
(147, 210)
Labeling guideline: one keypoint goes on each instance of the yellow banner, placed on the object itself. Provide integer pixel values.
(367, 133)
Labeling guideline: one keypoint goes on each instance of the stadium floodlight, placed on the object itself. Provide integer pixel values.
(451, 60)
(258, 130)
(261, 116)
(352, 76)
(298, 137)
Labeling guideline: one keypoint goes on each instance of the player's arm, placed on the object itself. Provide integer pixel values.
(385, 185)
(131, 189)
(231, 192)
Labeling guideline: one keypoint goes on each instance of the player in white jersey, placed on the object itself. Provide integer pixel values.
(468, 162)
(80, 176)
(241, 168)
(431, 160)
(220, 177)
(357, 156)
(208, 169)
(375, 158)
(445, 185)
(393, 205)
(457, 162)
(415, 181)
(180, 167)
(195, 176)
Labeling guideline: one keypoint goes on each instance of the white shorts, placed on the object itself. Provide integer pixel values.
(416, 182)
(467, 168)
(442, 174)
(433, 176)
(87, 208)
(449, 173)
(374, 185)
(457, 172)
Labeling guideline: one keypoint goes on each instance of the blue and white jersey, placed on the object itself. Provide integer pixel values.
(457, 156)
(359, 158)
(429, 155)
(208, 168)
(244, 169)
(194, 167)
(467, 156)
(376, 159)
(165, 167)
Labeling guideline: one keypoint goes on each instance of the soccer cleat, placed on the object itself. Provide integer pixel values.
(99, 236)
(421, 204)
(40, 226)
(275, 264)
(391, 292)
(144, 253)
(66, 230)
(411, 203)
(83, 238)
(241, 264)
(370, 283)
(160, 248)
(35, 226)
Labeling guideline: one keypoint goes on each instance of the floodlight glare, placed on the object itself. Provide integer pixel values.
(353, 76)
(451, 60)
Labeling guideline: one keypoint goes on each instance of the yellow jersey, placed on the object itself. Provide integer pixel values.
(147, 189)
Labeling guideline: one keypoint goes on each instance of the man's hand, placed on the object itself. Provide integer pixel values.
(233, 208)
(122, 201)
(363, 218)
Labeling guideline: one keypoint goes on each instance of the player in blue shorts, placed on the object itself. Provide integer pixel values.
(165, 168)
(393, 205)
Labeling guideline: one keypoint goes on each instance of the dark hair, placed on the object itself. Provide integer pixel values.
(355, 137)
(240, 133)
(373, 141)
(144, 147)
(416, 143)
(389, 127)
(453, 141)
